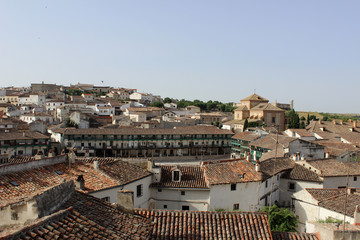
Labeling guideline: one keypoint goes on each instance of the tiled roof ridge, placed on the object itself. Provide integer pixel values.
(32, 160)
(222, 161)
(39, 222)
(140, 210)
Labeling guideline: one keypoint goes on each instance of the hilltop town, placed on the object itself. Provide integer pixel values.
(98, 162)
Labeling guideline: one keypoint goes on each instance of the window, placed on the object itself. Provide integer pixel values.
(14, 183)
(182, 192)
(273, 120)
(139, 190)
(159, 190)
(184, 207)
(106, 199)
(236, 206)
(355, 178)
(291, 186)
(266, 184)
(176, 175)
(233, 187)
(165, 206)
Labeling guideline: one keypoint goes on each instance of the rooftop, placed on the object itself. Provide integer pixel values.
(231, 171)
(191, 177)
(207, 225)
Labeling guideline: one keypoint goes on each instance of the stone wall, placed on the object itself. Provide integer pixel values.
(34, 206)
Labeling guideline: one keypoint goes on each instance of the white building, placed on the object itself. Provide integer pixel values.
(53, 104)
(31, 117)
(145, 98)
(37, 99)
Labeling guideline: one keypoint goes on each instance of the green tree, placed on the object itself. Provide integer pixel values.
(308, 120)
(246, 125)
(167, 100)
(294, 119)
(157, 104)
(281, 219)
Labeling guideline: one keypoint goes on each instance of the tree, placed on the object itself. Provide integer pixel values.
(167, 100)
(281, 219)
(294, 119)
(246, 124)
(157, 104)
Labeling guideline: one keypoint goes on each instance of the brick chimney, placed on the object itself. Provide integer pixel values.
(355, 124)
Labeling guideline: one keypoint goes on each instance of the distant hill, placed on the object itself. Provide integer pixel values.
(321, 115)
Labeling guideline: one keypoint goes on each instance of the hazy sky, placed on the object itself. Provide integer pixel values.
(308, 51)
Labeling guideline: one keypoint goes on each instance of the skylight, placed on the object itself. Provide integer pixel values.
(14, 183)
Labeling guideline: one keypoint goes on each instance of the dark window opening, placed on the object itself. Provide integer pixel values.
(184, 207)
(236, 206)
(139, 190)
(233, 187)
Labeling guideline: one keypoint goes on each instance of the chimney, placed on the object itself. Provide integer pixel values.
(150, 164)
(320, 122)
(248, 158)
(254, 156)
(334, 122)
(327, 155)
(257, 167)
(355, 124)
(357, 215)
(125, 200)
(351, 190)
(341, 122)
(80, 183)
(96, 165)
(275, 103)
(292, 104)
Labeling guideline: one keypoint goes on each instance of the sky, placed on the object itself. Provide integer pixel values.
(308, 51)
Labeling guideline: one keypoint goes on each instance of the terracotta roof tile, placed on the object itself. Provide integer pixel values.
(276, 165)
(332, 167)
(22, 136)
(45, 177)
(321, 194)
(191, 177)
(207, 225)
(246, 136)
(269, 141)
(124, 172)
(334, 199)
(85, 217)
(302, 173)
(231, 171)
